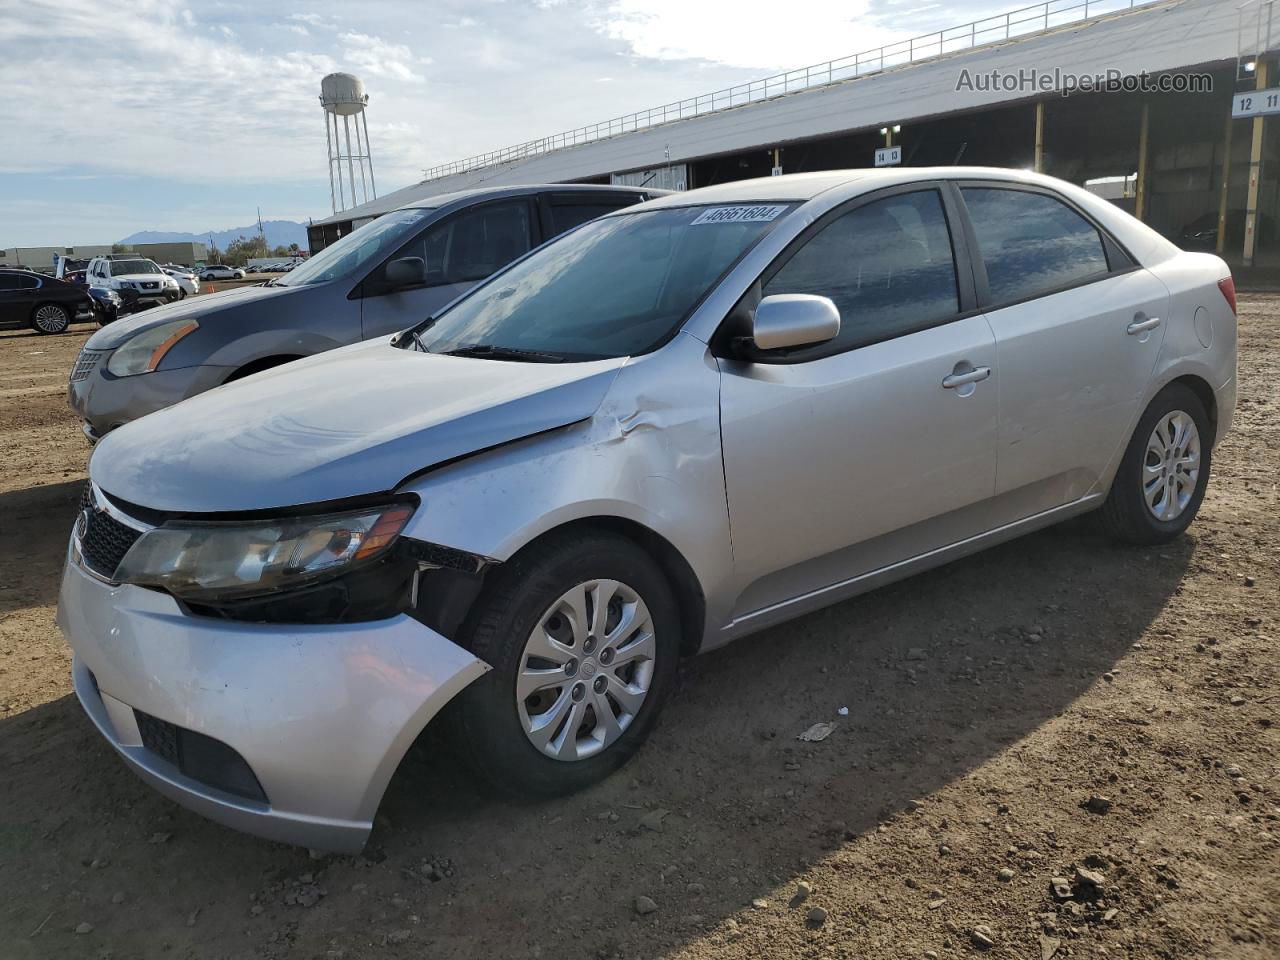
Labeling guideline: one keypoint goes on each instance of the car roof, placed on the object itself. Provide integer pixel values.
(800, 187)
(443, 199)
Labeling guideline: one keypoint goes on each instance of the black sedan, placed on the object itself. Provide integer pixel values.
(41, 302)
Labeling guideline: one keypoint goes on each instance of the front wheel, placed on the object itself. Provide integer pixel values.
(582, 633)
(50, 318)
(1161, 480)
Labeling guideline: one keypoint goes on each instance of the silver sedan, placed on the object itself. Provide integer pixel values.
(671, 427)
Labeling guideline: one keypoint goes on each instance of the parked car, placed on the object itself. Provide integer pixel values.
(188, 283)
(219, 271)
(108, 305)
(669, 428)
(140, 280)
(381, 278)
(44, 303)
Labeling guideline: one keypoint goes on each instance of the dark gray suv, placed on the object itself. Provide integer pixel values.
(383, 277)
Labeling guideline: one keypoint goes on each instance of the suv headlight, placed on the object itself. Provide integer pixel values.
(212, 561)
(143, 353)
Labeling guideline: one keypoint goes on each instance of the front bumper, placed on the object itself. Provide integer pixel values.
(104, 402)
(321, 714)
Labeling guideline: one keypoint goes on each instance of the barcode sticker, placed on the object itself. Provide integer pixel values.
(741, 213)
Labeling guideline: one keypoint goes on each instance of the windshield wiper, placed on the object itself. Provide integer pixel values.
(490, 351)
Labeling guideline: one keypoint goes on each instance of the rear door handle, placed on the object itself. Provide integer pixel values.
(1141, 326)
(975, 375)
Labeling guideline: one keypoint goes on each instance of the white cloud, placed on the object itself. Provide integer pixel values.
(761, 34)
(134, 123)
(757, 34)
(380, 58)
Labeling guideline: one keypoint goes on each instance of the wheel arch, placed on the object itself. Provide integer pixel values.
(1204, 393)
(262, 363)
(685, 585)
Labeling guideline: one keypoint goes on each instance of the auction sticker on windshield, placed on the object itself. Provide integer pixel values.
(741, 213)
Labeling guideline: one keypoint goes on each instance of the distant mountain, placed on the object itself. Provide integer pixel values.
(280, 233)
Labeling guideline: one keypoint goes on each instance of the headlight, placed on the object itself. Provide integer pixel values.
(143, 353)
(212, 561)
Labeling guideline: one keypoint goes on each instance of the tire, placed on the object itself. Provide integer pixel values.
(182, 294)
(1127, 514)
(50, 318)
(488, 723)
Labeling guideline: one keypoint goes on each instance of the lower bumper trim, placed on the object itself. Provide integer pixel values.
(247, 816)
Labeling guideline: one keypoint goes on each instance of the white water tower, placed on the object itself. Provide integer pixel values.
(342, 96)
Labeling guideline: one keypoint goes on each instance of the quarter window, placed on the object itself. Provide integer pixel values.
(888, 266)
(1032, 244)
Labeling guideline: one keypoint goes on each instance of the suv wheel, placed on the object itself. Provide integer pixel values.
(582, 633)
(50, 318)
(1162, 476)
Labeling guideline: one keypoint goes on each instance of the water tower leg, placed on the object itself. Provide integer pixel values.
(351, 168)
(328, 137)
(360, 151)
(369, 154)
(337, 161)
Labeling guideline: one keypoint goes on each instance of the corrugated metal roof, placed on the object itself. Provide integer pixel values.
(1155, 38)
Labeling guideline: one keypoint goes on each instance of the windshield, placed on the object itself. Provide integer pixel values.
(616, 287)
(360, 248)
(120, 268)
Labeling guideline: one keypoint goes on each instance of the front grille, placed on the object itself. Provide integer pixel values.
(104, 540)
(85, 363)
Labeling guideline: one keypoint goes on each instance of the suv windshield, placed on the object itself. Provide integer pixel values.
(121, 268)
(361, 247)
(616, 287)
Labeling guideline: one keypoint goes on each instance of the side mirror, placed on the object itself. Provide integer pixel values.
(794, 320)
(406, 272)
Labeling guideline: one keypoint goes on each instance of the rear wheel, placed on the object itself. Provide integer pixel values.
(50, 318)
(1161, 480)
(582, 633)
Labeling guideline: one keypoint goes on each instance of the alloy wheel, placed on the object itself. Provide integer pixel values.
(51, 319)
(585, 670)
(1171, 467)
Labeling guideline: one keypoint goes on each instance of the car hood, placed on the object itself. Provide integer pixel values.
(348, 422)
(206, 307)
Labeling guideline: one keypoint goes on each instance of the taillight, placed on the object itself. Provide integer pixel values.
(1228, 287)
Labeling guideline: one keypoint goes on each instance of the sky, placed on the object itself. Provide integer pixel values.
(148, 114)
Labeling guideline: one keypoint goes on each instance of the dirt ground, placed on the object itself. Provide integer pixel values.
(988, 702)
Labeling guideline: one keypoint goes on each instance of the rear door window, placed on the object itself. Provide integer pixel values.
(569, 212)
(1032, 244)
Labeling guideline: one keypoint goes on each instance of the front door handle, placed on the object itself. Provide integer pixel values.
(975, 375)
(1141, 326)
